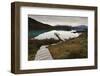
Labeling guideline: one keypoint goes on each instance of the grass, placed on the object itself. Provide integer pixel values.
(34, 45)
(70, 49)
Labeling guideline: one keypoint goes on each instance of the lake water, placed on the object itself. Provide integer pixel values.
(35, 33)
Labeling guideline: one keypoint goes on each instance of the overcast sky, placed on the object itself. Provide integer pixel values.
(60, 20)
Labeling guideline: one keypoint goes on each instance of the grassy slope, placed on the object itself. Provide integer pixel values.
(34, 45)
(73, 48)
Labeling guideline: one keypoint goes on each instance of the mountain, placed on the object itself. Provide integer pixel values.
(62, 27)
(80, 28)
(36, 25)
(57, 35)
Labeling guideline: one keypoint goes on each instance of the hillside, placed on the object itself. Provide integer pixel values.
(62, 27)
(36, 25)
(70, 49)
(80, 28)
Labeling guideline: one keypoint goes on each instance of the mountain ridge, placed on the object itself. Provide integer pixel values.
(36, 25)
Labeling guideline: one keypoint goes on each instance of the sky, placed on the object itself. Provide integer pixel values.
(60, 20)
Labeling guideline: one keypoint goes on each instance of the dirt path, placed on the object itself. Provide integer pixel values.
(43, 54)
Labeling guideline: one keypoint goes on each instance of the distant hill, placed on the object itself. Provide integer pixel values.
(36, 25)
(62, 27)
(80, 28)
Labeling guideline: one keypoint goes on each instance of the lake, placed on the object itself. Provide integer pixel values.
(35, 33)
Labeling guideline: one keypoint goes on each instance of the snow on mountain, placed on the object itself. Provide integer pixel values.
(54, 34)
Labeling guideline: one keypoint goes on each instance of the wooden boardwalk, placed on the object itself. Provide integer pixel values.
(43, 54)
